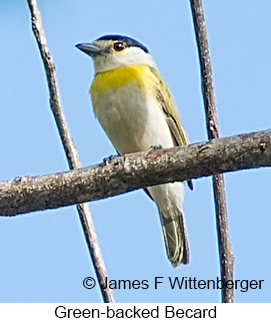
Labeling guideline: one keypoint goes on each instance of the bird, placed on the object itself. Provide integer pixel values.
(137, 111)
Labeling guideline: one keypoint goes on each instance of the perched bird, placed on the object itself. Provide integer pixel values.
(137, 111)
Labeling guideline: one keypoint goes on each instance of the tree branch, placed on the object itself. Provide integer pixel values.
(69, 147)
(225, 251)
(125, 173)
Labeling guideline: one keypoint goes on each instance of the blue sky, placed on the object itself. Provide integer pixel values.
(43, 255)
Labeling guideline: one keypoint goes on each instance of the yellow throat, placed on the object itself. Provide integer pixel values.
(116, 78)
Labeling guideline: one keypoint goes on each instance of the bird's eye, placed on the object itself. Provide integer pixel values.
(118, 46)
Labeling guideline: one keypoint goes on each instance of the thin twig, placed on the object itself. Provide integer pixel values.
(69, 147)
(225, 251)
(129, 172)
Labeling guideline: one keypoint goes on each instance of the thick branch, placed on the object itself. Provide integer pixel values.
(125, 173)
(69, 147)
(225, 251)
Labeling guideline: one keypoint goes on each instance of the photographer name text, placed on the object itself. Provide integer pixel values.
(182, 283)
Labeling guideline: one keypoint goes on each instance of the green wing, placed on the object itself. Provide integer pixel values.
(168, 105)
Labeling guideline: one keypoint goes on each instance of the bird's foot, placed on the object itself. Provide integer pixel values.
(109, 159)
(156, 147)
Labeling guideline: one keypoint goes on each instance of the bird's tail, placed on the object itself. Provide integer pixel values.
(174, 231)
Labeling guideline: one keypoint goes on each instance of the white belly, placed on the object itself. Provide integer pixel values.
(132, 121)
(135, 123)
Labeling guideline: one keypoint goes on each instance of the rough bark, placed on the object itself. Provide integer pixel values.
(125, 173)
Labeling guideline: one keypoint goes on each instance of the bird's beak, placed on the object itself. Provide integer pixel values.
(89, 49)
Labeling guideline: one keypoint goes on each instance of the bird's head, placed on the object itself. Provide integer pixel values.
(112, 51)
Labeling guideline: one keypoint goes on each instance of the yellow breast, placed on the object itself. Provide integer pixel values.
(123, 103)
(116, 78)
